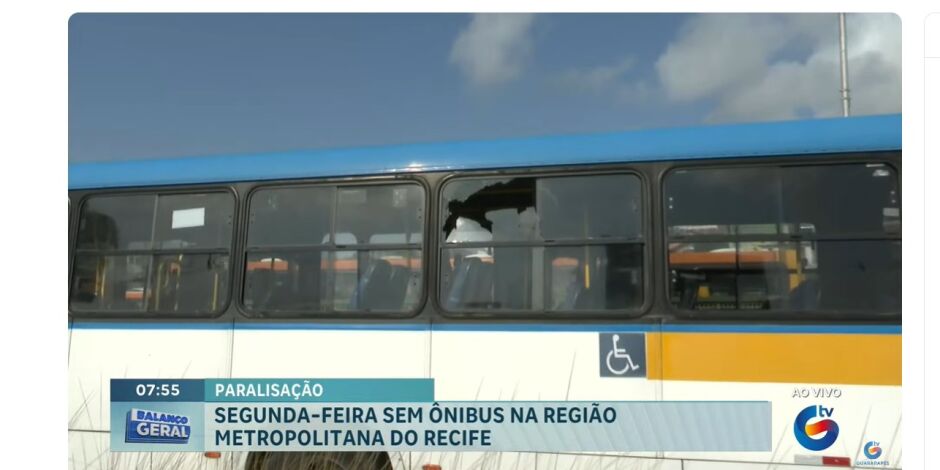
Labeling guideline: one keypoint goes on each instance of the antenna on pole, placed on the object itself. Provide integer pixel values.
(844, 61)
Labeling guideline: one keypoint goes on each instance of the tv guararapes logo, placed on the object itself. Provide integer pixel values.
(819, 434)
(872, 451)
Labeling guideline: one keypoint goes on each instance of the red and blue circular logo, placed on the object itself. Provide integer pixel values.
(872, 450)
(819, 434)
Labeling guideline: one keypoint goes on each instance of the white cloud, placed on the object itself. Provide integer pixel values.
(607, 80)
(492, 49)
(739, 63)
(599, 77)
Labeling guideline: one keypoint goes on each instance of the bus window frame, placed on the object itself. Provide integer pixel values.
(155, 191)
(338, 183)
(890, 158)
(646, 240)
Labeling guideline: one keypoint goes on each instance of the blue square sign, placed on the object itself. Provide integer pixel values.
(622, 354)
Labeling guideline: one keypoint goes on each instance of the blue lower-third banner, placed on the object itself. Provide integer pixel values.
(401, 415)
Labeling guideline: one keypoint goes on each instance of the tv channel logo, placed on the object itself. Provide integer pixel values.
(820, 434)
(155, 427)
(872, 451)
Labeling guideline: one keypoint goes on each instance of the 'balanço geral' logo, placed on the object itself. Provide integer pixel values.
(872, 450)
(156, 427)
(818, 435)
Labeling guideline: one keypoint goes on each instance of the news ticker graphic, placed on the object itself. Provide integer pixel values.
(401, 415)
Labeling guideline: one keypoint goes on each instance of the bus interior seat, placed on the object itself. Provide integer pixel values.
(688, 282)
(842, 279)
(586, 299)
(398, 285)
(282, 294)
(262, 282)
(511, 278)
(306, 288)
(479, 292)
(192, 293)
(858, 282)
(358, 294)
(383, 287)
(572, 293)
(459, 283)
(777, 282)
(472, 286)
(196, 284)
(805, 296)
(374, 285)
(578, 296)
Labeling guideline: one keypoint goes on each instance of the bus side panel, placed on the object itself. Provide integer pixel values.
(101, 353)
(268, 352)
(854, 377)
(262, 352)
(535, 364)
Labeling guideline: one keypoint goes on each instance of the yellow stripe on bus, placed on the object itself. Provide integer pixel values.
(860, 359)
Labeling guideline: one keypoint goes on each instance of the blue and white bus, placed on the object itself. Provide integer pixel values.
(759, 261)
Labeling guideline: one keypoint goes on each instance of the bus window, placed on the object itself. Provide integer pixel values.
(795, 238)
(153, 253)
(116, 223)
(290, 217)
(381, 214)
(328, 249)
(528, 244)
(193, 221)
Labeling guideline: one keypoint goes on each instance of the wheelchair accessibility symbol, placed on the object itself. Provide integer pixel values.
(623, 354)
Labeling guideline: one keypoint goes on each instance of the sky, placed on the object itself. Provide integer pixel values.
(168, 85)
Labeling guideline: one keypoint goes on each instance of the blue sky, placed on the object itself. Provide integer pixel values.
(149, 85)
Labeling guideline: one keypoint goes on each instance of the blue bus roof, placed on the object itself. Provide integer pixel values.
(858, 134)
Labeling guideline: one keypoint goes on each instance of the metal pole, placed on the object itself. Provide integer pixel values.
(845, 66)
